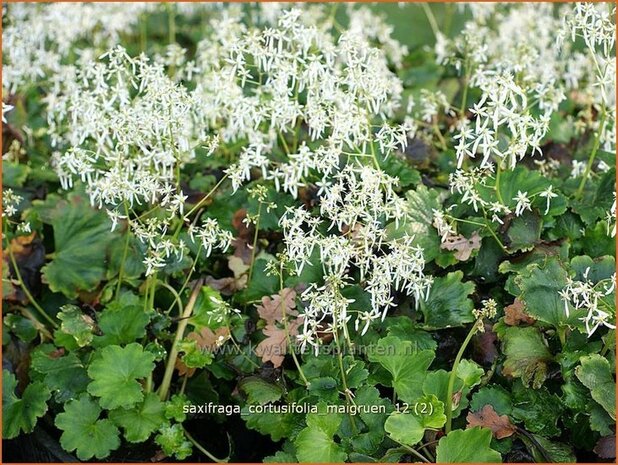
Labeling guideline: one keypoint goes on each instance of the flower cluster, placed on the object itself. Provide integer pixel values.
(355, 208)
(596, 298)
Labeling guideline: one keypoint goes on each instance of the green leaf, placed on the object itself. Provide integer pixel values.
(406, 365)
(405, 329)
(14, 174)
(469, 372)
(131, 262)
(81, 238)
(174, 408)
(121, 325)
(276, 425)
(173, 441)
(522, 179)
(316, 444)
(84, 432)
(524, 232)
(527, 355)
(260, 391)
(368, 440)
(540, 287)
(436, 383)
(556, 452)
(64, 375)
(193, 355)
(20, 415)
(140, 421)
(22, 327)
(409, 427)
(77, 324)
(595, 373)
(600, 421)
(115, 373)
(418, 223)
(596, 269)
(469, 445)
(539, 409)
(496, 396)
(448, 303)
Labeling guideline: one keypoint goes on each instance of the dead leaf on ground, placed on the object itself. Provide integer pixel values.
(229, 285)
(500, 425)
(606, 447)
(274, 308)
(274, 347)
(462, 245)
(485, 350)
(515, 314)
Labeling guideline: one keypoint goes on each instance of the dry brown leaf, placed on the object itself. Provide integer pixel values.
(515, 314)
(208, 339)
(274, 347)
(484, 343)
(229, 285)
(273, 308)
(606, 447)
(463, 246)
(500, 425)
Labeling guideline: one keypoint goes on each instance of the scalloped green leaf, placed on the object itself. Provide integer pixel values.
(84, 432)
(409, 427)
(527, 355)
(115, 373)
(82, 235)
(21, 414)
(316, 444)
(121, 325)
(64, 375)
(260, 391)
(418, 223)
(77, 324)
(469, 445)
(407, 366)
(540, 287)
(142, 420)
(173, 441)
(595, 373)
(448, 303)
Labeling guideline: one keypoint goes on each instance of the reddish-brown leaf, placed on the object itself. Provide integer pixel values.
(515, 314)
(274, 347)
(275, 307)
(500, 425)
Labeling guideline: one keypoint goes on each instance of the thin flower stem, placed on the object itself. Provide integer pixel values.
(451, 381)
(254, 245)
(414, 452)
(198, 205)
(199, 447)
(180, 330)
(593, 154)
(497, 185)
(346, 390)
(31, 299)
(124, 252)
(284, 317)
(432, 19)
(188, 278)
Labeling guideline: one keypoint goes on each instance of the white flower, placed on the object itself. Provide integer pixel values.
(548, 194)
(523, 203)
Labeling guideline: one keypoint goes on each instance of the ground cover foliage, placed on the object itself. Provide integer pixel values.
(310, 232)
